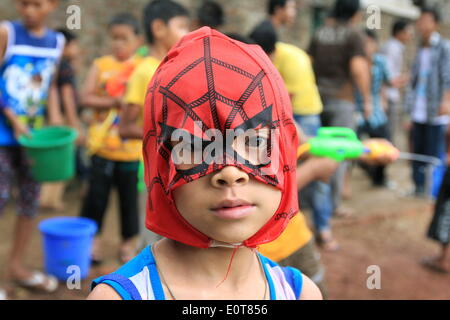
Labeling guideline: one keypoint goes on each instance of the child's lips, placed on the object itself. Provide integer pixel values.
(233, 209)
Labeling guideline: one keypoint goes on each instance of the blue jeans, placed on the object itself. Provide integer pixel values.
(317, 194)
(428, 140)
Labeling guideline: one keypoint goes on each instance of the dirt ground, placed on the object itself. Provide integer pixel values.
(388, 231)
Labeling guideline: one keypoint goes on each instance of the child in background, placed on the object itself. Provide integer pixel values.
(209, 14)
(215, 214)
(114, 160)
(52, 193)
(165, 22)
(29, 55)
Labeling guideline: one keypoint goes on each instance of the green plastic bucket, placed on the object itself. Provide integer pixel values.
(51, 151)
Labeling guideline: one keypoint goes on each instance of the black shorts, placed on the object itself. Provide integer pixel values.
(439, 229)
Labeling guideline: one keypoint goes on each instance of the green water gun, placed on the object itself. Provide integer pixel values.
(336, 143)
(340, 144)
(141, 181)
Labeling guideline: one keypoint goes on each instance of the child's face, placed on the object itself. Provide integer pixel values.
(290, 12)
(173, 31)
(227, 205)
(35, 12)
(124, 41)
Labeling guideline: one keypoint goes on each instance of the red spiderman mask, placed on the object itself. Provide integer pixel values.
(208, 86)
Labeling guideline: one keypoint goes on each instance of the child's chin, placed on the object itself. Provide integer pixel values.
(231, 237)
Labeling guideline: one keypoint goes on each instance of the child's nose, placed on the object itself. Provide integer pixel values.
(229, 176)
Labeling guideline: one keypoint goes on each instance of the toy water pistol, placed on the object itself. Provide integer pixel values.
(341, 144)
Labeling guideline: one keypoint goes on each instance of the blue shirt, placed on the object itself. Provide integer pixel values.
(26, 74)
(380, 76)
(139, 279)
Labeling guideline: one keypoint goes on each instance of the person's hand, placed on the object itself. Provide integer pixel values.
(444, 109)
(382, 152)
(118, 103)
(400, 81)
(81, 138)
(407, 125)
(20, 129)
(367, 109)
(324, 168)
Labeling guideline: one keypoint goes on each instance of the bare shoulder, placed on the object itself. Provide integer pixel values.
(310, 291)
(104, 292)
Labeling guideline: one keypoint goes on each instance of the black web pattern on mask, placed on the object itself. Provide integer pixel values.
(211, 96)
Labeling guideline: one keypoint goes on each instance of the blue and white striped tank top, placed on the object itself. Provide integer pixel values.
(139, 279)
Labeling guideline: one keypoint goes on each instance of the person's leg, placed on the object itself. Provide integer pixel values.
(27, 209)
(126, 180)
(439, 229)
(393, 114)
(97, 196)
(342, 116)
(436, 147)
(418, 141)
(317, 194)
(307, 260)
(378, 173)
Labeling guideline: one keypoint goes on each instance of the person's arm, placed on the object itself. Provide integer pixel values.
(310, 291)
(445, 76)
(3, 42)
(89, 97)
(18, 127)
(103, 292)
(53, 107)
(313, 169)
(70, 106)
(128, 125)
(360, 71)
(444, 109)
(70, 109)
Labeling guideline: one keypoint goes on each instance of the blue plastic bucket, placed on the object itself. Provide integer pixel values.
(67, 243)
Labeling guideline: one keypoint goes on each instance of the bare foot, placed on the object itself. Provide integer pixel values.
(436, 265)
(343, 212)
(327, 242)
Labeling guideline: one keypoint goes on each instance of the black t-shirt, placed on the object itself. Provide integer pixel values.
(66, 76)
(332, 48)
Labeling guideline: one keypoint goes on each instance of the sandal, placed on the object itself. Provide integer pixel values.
(39, 281)
(433, 265)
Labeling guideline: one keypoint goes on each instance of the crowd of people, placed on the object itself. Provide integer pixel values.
(345, 78)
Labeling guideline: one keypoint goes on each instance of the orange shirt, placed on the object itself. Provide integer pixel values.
(294, 237)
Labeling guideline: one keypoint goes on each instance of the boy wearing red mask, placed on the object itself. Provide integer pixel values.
(220, 157)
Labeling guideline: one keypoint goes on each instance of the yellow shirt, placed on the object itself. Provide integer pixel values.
(104, 132)
(296, 70)
(139, 81)
(294, 237)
